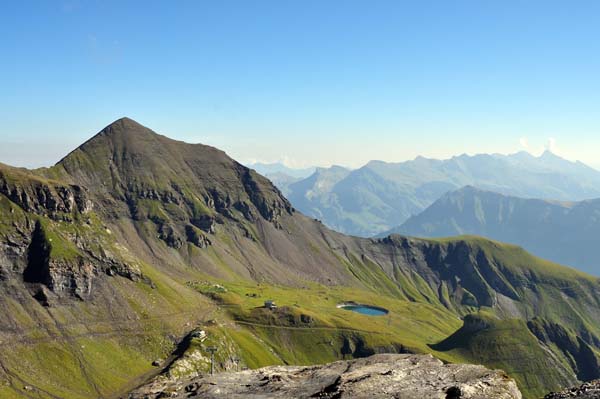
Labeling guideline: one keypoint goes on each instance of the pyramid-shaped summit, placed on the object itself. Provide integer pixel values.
(129, 165)
(126, 151)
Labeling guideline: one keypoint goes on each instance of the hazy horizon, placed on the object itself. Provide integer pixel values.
(20, 154)
(285, 162)
(311, 83)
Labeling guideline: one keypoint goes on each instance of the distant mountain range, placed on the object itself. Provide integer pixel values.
(379, 196)
(564, 232)
(279, 168)
(282, 176)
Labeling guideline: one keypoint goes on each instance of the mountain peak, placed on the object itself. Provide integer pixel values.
(549, 154)
(125, 121)
(522, 155)
(375, 162)
(319, 170)
(124, 135)
(469, 188)
(127, 162)
(124, 125)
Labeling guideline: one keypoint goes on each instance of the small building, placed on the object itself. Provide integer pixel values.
(200, 334)
(270, 304)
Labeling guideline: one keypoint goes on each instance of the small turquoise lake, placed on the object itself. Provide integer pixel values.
(366, 310)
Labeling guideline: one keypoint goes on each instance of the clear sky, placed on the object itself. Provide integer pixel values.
(308, 82)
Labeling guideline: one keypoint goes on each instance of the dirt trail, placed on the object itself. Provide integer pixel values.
(322, 328)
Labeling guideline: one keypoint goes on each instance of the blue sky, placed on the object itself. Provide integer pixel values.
(308, 82)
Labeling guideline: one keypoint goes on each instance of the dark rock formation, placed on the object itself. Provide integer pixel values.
(72, 276)
(43, 197)
(588, 390)
(205, 223)
(196, 237)
(38, 258)
(170, 236)
(379, 376)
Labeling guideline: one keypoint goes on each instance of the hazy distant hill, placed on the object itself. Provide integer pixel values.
(565, 232)
(281, 175)
(282, 181)
(380, 195)
(277, 167)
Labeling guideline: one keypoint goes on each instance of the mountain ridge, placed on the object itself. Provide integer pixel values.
(165, 239)
(562, 231)
(380, 195)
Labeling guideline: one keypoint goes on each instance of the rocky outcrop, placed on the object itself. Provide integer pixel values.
(72, 276)
(42, 197)
(271, 207)
(170, 236)
(378, 376)
(59, 255)
(588, 390)
(197, 237)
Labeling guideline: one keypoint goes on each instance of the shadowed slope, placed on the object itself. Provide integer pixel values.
(566, 232)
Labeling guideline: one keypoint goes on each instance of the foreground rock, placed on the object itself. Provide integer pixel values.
(588, 390)
(379, 376)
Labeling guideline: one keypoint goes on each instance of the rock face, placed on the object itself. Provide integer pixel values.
(51, 238)
(43, 197)
(378, 376)
(589, 390)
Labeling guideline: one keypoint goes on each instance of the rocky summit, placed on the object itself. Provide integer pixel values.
(400, 376)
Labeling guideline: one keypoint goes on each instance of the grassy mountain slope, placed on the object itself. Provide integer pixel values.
(508, 345)
(131, 242)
